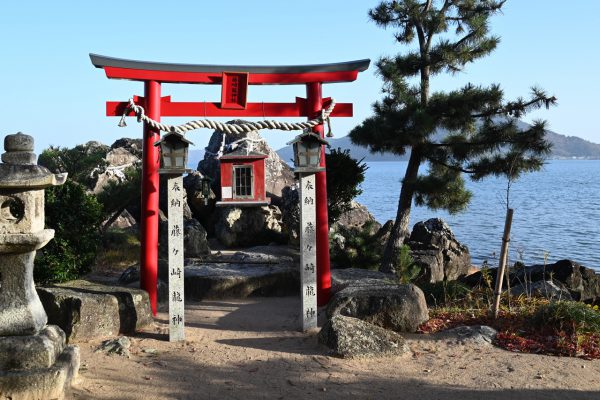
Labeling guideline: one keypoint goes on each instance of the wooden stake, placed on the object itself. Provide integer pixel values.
(503, 258)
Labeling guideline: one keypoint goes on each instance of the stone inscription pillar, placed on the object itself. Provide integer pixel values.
(308, 251)
(176, 295)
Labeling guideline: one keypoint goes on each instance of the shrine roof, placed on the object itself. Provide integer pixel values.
(119, 68)
(242, 153)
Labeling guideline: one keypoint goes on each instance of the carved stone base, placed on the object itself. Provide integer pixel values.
(37, 366)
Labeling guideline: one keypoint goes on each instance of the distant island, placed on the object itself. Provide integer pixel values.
(564, 147)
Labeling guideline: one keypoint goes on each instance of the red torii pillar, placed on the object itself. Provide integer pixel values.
(233, 104)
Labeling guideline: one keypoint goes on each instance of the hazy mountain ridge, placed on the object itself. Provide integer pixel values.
(564, 147)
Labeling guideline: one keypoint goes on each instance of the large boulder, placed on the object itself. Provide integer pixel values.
(82, 316)
(240, 280)
(353, 338)
(118, 160)
(290, 213)
(548, 289)
(95, 147)
(163, 200)
(133, 146)
(278, 174)
(249, 226)
(356, 217)
(343, 278)
(202, 210)
(86, 311)
(238, 275)
(401, 308)
(581, 283)
(435, 249)
(124, 221)
(195, 240)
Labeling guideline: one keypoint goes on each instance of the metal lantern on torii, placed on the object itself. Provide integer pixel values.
(234, 81)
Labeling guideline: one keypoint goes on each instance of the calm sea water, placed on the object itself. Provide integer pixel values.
(557, 212)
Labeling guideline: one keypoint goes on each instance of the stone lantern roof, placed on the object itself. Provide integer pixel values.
(19, 169)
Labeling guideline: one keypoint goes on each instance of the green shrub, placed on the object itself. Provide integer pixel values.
(79, 162)
(120, 249)
(406, 268)
(344, 176)
(445, 293)
(116, 196)
(361, 247)
(568, 316)
(76, 218)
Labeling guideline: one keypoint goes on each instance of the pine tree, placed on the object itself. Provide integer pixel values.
(483, 138)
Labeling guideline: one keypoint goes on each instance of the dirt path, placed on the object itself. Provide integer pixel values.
(249, 349)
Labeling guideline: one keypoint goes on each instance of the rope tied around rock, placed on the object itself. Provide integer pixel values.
(230, 128)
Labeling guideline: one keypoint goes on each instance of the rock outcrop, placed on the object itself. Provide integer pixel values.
(353, 338)
(118, 159)
(195, 242)
(356, 217)
(124, 221)
(249, 226)
(202, 210)
(548, 289)
(435, 249)
(401, 308)
(133, 146)
(290, 214)
(582, 283)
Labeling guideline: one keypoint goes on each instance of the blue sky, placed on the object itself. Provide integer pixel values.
(51, 90)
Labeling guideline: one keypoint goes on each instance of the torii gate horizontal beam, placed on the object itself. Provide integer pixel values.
(117, 68)
(210, 109)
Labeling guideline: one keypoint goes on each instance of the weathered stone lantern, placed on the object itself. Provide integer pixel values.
(173, 153)
(308, 152)
(34, 360)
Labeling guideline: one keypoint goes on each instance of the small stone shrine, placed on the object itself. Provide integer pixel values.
(35, 362)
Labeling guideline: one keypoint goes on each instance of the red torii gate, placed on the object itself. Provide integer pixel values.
(234, 80)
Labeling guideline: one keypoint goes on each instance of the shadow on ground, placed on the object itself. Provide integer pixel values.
(284, 379)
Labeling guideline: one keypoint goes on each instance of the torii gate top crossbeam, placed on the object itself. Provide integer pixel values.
(117, 68)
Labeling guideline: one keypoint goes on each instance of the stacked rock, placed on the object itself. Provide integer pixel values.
(35, 362)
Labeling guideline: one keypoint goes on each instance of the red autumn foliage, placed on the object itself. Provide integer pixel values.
(516, 334)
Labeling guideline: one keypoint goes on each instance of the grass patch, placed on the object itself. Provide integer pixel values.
(120, 249)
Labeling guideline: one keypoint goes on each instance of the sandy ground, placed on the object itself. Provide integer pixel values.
(250, 349)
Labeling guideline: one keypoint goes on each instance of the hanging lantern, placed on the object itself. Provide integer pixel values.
(308, 151)
(205, 182)
(173, 153)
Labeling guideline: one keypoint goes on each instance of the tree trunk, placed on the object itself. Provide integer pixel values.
(400, 230)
